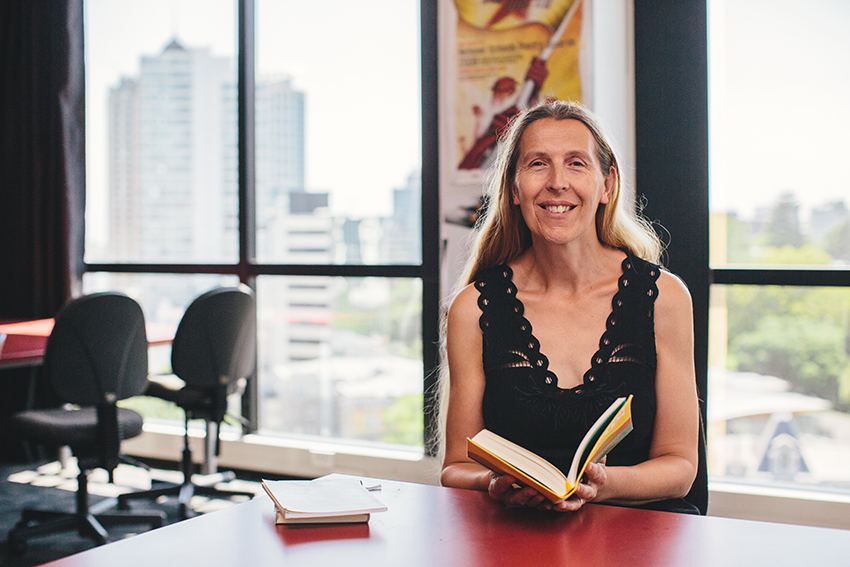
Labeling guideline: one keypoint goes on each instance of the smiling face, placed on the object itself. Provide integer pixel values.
(559, 184)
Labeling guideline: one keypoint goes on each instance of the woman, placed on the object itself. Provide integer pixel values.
(565, 310)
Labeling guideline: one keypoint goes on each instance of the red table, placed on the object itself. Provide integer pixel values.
(25, 342)
(431, 526)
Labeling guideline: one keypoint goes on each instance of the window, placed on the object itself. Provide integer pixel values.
(779, 350)
(316, 203)
(671, 62)
(161, 133)
(337, 132)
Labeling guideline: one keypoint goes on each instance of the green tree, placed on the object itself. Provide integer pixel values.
(738, 240)
(808, 353)
(791, 255)
(398, 317)
(800, 334)
(783, 223)
(837, 242)
(796, 333)
(404, 421)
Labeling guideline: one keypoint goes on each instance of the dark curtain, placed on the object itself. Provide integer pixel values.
(42, 155)
(42, 174)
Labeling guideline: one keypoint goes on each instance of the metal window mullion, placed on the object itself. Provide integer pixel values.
(781, 276)
(430, 218)
(247, 168)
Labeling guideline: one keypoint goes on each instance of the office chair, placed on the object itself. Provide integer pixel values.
(97, 354)
(698, 494)
(214, 351)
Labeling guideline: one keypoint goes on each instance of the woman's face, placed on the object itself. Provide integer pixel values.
(559, 184)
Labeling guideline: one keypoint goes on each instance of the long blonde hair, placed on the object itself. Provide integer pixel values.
(502, 232)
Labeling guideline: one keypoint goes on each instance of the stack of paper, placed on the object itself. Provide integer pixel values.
(332, 500)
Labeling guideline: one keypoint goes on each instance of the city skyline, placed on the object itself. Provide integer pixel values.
(173, 144)
(172, 192)
(342, 122)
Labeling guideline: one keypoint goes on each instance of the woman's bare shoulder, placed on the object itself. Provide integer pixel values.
(674, 300)
(465, 303)
(672, 286)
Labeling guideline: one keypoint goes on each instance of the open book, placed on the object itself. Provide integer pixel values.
(331, 500)
(503, 456)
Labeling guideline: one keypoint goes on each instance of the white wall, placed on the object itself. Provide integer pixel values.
(613, 80)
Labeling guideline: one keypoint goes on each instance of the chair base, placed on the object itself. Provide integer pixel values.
(184, 493)
(90, 522)
(187, 489)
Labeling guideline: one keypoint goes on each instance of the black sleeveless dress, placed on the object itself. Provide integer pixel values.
(522, 400)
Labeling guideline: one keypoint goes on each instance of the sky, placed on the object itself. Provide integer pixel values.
(778, 111)
(358, 67)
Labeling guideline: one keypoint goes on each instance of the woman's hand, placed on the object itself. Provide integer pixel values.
(588, 489)
(505, 489)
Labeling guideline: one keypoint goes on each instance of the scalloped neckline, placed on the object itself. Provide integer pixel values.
(587, 378)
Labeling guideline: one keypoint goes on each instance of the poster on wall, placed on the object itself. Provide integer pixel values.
(501, 56)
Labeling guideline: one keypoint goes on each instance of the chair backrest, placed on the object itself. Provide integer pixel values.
(215, 343)
(698, 495)
(98, 350)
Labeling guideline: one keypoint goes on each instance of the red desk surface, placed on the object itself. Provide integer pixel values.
(431, 526)
(26, 340)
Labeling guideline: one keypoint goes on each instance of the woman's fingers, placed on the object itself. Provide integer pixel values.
(505, 489)
(500, 485)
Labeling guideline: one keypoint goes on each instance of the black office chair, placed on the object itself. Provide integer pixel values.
(698, 495)
(96, 355)
(214, 351)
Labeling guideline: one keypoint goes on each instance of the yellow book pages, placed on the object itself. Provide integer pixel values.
(617, 428)
(493, 462)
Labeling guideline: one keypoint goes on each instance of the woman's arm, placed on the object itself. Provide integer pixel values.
(672, 464)
(465, 417)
